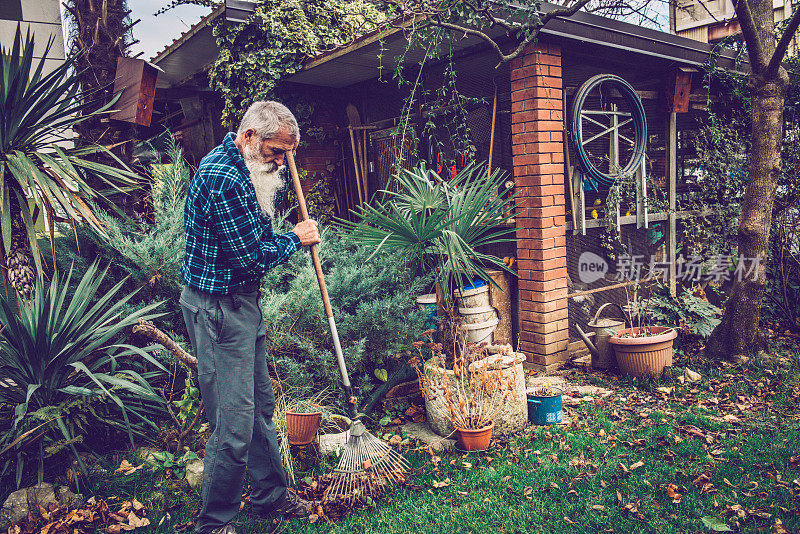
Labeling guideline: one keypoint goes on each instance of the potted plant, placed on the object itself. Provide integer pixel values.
(642, 349)
(302, 421)
(440, 224)
(471, 394)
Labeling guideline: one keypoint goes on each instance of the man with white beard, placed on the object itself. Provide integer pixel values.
(230, 244)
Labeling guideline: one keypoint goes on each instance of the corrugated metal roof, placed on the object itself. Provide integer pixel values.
(192, 52)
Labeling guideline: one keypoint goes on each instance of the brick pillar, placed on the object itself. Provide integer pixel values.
(538, 156)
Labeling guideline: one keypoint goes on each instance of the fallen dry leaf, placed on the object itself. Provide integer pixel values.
(674, 493)
(125, 468)
(444, 483)
(599, 507)
(637, 465)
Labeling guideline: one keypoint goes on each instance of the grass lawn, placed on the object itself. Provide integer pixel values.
(722, 453)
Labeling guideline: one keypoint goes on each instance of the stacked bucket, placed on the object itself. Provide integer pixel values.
(480, 318)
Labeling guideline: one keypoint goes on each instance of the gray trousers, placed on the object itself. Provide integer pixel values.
(228, 335)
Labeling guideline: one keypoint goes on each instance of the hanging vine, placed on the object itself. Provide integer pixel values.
(256, 55)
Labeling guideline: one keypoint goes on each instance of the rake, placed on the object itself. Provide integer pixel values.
(368, 466)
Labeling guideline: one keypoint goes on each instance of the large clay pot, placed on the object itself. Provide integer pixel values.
(474, 440)
(512, 417)
(301, 428)
(637, 356)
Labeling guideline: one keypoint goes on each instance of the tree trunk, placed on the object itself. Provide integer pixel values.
(737, 334)
(21, 271)
(101, 34)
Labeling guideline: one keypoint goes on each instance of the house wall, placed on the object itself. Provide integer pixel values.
(713, 20)
(43, 19)
(538, 159)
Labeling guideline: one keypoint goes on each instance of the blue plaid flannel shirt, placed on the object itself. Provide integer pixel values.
(229, 242)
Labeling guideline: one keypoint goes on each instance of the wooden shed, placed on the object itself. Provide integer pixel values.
(525, 103)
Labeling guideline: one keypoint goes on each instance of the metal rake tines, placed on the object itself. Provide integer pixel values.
(367, 467)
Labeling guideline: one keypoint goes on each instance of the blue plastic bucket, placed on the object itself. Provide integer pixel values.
(475, 284)
(428, 303)
(545, 410)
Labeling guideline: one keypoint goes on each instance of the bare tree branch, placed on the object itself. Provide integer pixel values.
(149, 329)
(783, 44)
(755, 49)
(533, 29)
(469, 31)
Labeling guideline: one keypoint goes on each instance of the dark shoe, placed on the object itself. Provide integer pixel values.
(289, 506)
(224, 529)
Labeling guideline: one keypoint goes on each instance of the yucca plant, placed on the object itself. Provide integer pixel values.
(40, 174)
(441, 223)
(63, 368)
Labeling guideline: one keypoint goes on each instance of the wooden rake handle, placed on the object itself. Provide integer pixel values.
(323, 289)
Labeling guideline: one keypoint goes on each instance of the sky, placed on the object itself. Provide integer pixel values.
(155, 33)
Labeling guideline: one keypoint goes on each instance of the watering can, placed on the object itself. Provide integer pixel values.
(603, 329)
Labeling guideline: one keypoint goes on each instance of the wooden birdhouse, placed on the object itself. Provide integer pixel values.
(677, 89)
(136, 78)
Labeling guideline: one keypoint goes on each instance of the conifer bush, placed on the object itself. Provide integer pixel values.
(373, 296)
(373, 301)
(149, 251)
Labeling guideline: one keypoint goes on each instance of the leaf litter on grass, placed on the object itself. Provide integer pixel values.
(65, 519)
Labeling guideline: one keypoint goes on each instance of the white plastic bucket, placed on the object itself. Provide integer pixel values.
(473, 298)
(480, 314)
(480, 332)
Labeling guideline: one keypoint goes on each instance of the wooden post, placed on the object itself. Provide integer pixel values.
(672, 178)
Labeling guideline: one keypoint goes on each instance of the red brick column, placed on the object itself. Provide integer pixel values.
(538, 156)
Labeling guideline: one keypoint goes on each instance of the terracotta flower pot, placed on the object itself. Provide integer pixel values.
(474, 440)
(637, 356)
(302, 427)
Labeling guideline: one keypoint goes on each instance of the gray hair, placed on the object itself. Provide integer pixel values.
(266, 118)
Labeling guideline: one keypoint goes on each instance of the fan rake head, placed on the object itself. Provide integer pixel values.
(367, 468)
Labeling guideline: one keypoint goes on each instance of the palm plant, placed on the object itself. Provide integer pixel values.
(39, 174)
(63, 367)
(441, 224)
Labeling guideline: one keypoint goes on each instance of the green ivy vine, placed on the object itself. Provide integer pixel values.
(256, 55)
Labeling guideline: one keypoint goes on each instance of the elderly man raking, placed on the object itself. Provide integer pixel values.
(230, 244)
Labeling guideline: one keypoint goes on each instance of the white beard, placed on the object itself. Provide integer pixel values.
(266, 178)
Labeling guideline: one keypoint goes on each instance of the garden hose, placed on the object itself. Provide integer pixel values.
(596, 176)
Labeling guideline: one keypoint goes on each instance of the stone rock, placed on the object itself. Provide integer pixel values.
(17, 505)
(423, 432)
(66, 497)
(535, 382)
(194, 473)
(691, 376)
(332, 444)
